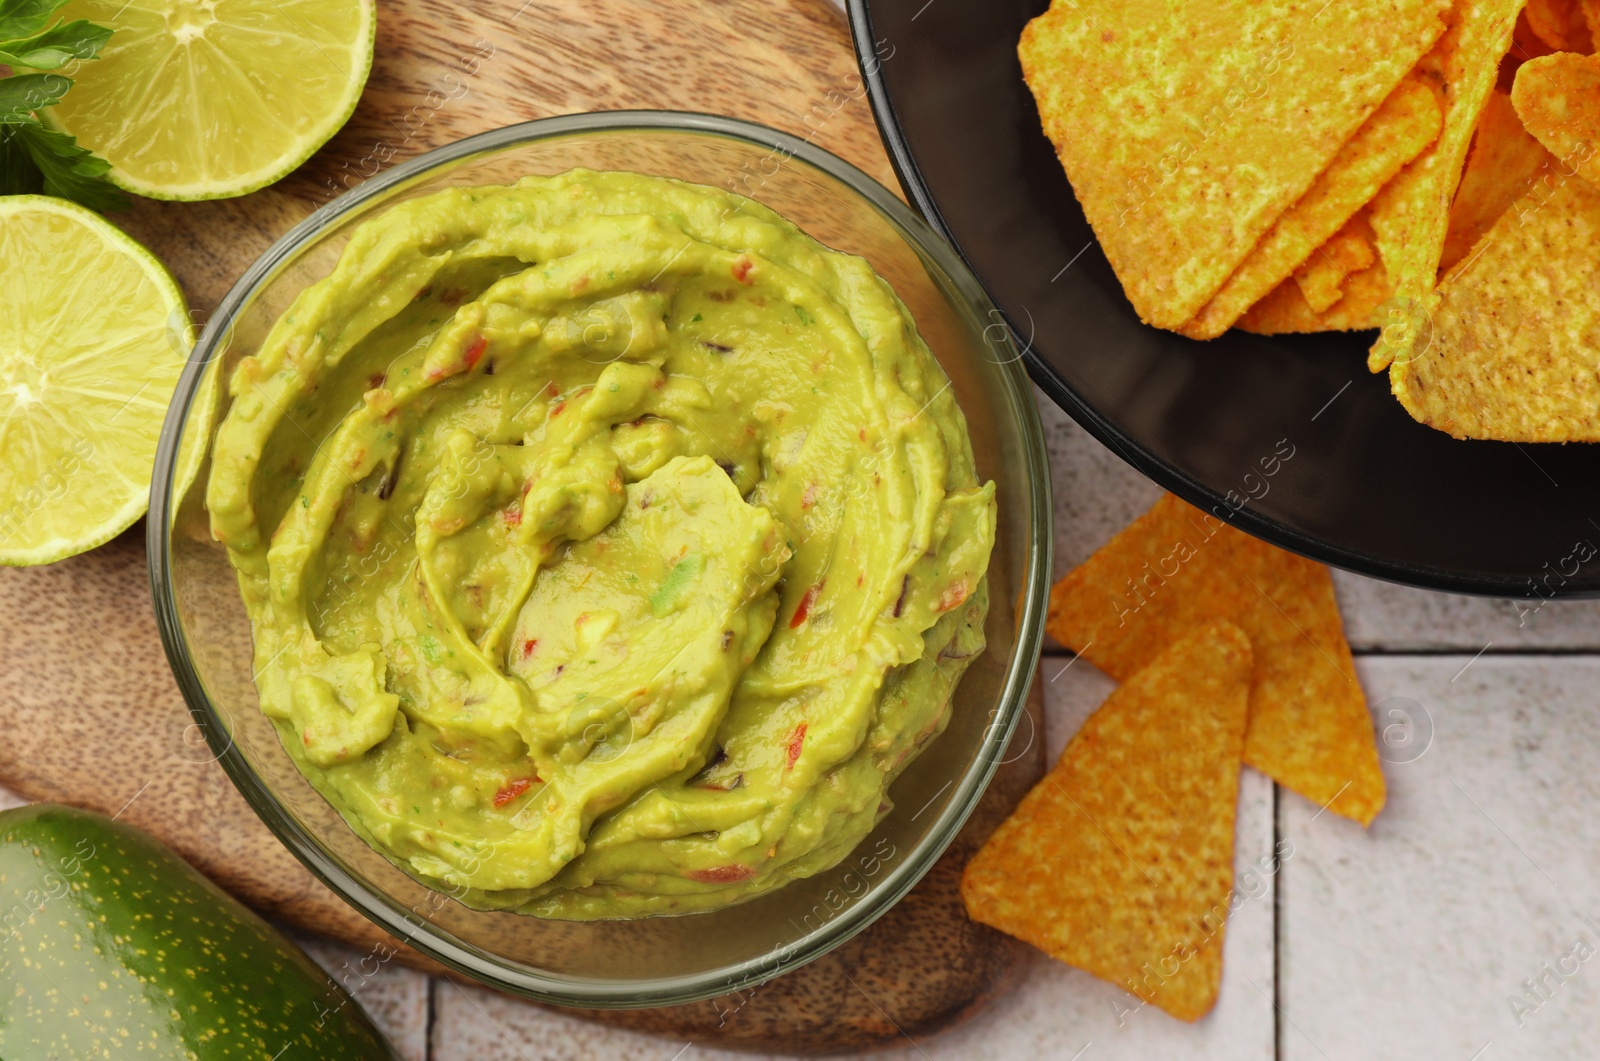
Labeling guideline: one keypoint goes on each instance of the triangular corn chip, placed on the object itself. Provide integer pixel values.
(1175, 568)
(1321, 279)
(1120, 861)
(1411, 215)
(1560, 24)
(1558, 99)
(1511, 350)
(1188, 128)
(1396, 133)
(1361, 297)
(1361, 294)
(1503, 164)
(1525, 45)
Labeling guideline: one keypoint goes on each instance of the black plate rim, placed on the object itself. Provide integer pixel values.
(1146, 463)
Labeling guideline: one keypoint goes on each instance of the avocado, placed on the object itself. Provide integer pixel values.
(111, 946)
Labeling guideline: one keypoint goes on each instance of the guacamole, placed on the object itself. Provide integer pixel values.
(609, 544)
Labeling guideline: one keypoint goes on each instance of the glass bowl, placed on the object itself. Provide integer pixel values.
(659, 960)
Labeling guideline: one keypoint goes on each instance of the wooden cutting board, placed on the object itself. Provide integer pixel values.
(89, 713)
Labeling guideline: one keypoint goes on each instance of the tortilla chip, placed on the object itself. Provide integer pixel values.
(1560, 24)
(1406, 123)
(1360, 306)
(1188, 129)
(1321, 279)
(1514, 341)
(1525, 45)
(1502, 163)
(1411, 215)
(1362, 297)
(1558, 99)
(1120, 861)
(1502, 166)
(1361, 293)
(1591, 17)
(1176, 567)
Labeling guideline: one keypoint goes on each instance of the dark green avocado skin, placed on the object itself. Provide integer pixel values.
(112, 947)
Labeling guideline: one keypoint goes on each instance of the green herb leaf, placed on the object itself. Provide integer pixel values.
(56, 45)
(34, 158)
(69, 171)
(18, 174)
(23, 94)
(24, 18)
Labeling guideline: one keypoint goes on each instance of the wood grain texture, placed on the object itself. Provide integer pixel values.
(89, 713)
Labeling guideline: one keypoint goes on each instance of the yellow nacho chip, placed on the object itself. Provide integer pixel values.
(1503, 163)
(1361, 292)
(1406, 123)
(1525, 45)
(1411, 215)
(1176, 567)
(1560, 24)
(1188, 129)
(1321, 279)
(1558, 99)
(1120, 861)
(1512, 349)
(1362, 296)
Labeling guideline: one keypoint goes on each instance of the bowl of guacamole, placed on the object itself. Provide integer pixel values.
(620, 555)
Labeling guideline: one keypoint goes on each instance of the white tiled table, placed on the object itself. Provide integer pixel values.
(1404, 942)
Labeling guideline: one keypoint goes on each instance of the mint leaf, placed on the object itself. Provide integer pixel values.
(23, 94)
(56, 45)
(69, 171)
(24, 18)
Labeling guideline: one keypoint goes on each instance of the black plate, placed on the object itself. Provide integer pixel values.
(1367, 488)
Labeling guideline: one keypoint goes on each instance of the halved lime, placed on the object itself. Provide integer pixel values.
(93, 334)
(205, 99)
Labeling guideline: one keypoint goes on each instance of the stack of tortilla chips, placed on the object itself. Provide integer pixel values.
(1418, 166)
(1120, 861)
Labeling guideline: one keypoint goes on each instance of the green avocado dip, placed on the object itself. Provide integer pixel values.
(609, 544)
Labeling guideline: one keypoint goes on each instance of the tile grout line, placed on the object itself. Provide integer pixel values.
(430, 1014)
(1277, 926)
(1500, 653)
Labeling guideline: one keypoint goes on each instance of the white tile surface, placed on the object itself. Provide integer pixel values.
(1097, 494)
(1410, 940)
(1055, 1014)
(1384, 617)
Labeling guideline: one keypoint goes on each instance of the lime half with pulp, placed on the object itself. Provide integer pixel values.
(93, 335)
(205, 99)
